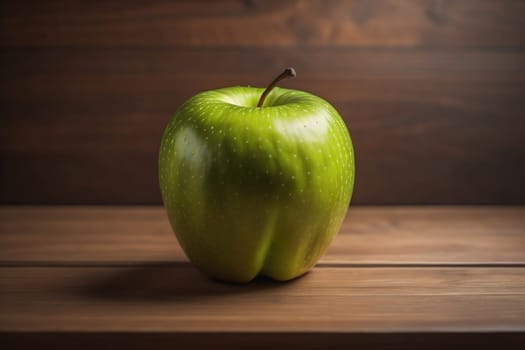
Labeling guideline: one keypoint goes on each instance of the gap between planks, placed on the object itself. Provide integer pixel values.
(187, 264)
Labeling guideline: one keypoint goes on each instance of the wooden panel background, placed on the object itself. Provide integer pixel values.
(432, 91)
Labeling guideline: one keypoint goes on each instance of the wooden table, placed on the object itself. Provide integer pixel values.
(114, 277)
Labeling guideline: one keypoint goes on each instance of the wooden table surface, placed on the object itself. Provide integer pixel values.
(417, 277)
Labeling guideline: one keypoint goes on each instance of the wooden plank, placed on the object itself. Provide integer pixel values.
(108, 107)
(422, 23)
(250, 66)
(369, 236)
(342, 300)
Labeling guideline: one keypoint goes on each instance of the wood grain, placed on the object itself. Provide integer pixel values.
(432, 91)
(422, 23)
(83, 126)
(410, 277)
(180, 299)
(446, 236)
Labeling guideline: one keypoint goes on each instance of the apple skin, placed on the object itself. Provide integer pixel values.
(255, 190)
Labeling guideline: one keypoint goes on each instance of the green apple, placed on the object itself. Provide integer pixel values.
(256, 182)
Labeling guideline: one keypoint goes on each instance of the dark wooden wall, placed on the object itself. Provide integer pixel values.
(432, 91)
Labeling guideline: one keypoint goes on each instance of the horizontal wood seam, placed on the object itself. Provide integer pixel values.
(185, 264)
(167, 48)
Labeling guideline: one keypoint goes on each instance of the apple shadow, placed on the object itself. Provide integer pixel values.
(166, 281)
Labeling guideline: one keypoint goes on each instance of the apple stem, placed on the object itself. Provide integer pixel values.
(288, 73)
